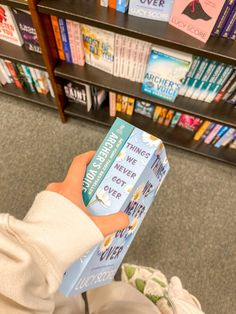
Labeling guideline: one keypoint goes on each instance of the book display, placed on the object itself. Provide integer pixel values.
(97, 61)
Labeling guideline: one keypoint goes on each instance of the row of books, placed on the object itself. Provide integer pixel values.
(208, 132)
(161, 70)
(200, 20)
(23, 76)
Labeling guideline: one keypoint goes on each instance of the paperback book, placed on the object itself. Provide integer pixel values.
(98, 47)
(28, 32)
(151, 9)
(166, 70)
(78, 93)
(196, 18)
(144, 108)
(8, 27)
(124, 175)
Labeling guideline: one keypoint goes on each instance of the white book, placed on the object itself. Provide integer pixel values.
(100, 53)
(135, 59)
(128, 50)
(7, 71)
(8, 27)
(117, 55)
(131, 60)
(4, 73)
(145, 61)
(104, 3)
(89, 97)
(3, 80)
(50, 86)
(35, 80)
(122, 58)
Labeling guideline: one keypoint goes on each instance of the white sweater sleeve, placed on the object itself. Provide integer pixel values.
(35, 252)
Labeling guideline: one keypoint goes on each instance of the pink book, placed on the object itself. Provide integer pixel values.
(71, 35)
(79, 43)
(212, 134)
(196, 18)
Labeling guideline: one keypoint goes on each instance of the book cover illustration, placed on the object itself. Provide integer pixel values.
(164, 75)
(151, 9)
(8, 27)
(98, 47)
(78, 93)
(144, 108)
(223, 17)
(188, 122)
(28, 32)
(196, 18)
(135, 166)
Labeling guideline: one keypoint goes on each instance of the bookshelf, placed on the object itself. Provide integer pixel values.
(160, 33)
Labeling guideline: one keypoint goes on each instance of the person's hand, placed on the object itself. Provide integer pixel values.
(71, 188)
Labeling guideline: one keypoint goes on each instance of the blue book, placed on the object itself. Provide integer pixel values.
(226, 138)
(122, 5)
(166, 70)
(223, 17)
(226, 32)
(220, 133)
(124, 175)
(191, 73)
(154, 10)
(65, 40)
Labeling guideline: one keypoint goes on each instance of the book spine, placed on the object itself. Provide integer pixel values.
(112, 4)
(222, 19)
(230, 91)
(112, 104)
(223, 90)
(117, 54)
(5, 73)
(71, 37)
(140, 60)
(104, 157)
(233, 33)
(169, 117)
(65, 40)
(221, 132)
(190, 74)
(57, 35)
(135, 59)
(145, 61)
(124, 104)
(128, 46)
(226, 138)
(232, 100)
(162, 116)
(79, 43)
(28, 77)
(208, 130)
(201, 130)
(104, 3)
(122, 56)
(226, 31)
(118, 102)
(175, 119)
(34, 77)
(122, 5)
(130, 107)
(212, 134)
(50, 86)
(21, 74)
(14, 74)
(157, 112)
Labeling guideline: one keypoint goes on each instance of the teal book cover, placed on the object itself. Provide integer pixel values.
(130, 184)
(164, 75)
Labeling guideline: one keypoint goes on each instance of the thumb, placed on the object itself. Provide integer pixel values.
(111, 223)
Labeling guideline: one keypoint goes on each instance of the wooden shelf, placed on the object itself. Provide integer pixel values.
(221, 113)
(176, 137)
(19, 54)
(157, 32)
(44, 100)
(18, 4)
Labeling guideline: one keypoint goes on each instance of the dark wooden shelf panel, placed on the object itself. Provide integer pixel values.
(176, 137)
(157, 32)
(221, 113)
(20, 54)
(18, 4)
(44, 100)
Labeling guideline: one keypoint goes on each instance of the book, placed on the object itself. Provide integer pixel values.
(8, 27)
(201, 130)
(112, 4)
(124, 103)
(232, 35)
(117, 54)
(118, 102)
(98, 47)
(28, 32)
(112, 104)
(13, 70)
(57, 35)
(162, 116)
(28, 77)
(188, 122)
(232, 100)
(124, 175)
(5, 72)
(122, 5)
(166, 70)
(175, 119)
(154, 9)
(168, 117)
(223, 17)
(230, 91)
(79, 47)
(156, 113)
(144, 108)
(3, 80)
(104, 3)
(208, 130)
(212, 134)
(226, 138)
(71, 37)
(78, 93)
(65, 40)
(42, 80)
(223, 90)
(233, 144)
(50, 86)
(196, 18)
(98, 97)
(230, 23)
(35, 80)
(130, 106)
(220, 133)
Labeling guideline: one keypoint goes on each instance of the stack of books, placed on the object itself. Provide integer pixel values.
(25, 77)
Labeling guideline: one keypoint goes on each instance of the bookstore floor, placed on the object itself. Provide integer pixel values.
(190, 230)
